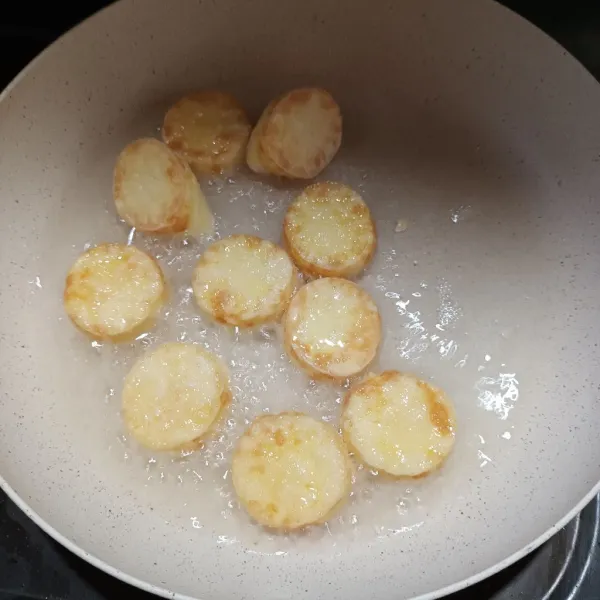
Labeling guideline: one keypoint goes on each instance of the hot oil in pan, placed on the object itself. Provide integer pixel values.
(425, 332)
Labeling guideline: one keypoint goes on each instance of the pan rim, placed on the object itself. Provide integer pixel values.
(164, 593)
(125, 577)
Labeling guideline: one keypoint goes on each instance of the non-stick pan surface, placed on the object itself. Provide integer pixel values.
(461, 121)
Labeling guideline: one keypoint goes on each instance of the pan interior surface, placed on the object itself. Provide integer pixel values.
(464, 124)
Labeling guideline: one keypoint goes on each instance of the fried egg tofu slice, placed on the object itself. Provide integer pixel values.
(332, 329)
(209, 130)
(329, 232)
(302, 132)
(113, 289)
(173, 395)
(399, 424)
(290, 470)
(155, 191)
(255, 156)
(244, 281)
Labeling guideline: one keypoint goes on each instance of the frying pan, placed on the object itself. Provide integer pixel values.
(463, 122)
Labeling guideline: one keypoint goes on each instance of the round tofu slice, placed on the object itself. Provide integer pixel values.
(244, 281)
(290, 470)
(155, 191)
(112, 290)
(302, 132)
(207, 129)
(328, 231)
(173, 395)
(332, 328)
(399, 424)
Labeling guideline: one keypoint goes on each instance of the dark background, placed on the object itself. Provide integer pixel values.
(32, 565)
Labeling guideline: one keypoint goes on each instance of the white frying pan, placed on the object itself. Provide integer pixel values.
(461, 120)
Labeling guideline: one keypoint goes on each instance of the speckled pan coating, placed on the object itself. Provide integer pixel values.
(458, 113)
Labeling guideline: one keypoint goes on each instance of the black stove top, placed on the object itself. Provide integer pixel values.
(34, 566)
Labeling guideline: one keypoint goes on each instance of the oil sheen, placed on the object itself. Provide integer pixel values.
(424, 332)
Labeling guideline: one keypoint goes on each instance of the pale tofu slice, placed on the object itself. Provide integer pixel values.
(301, 134)
(244, 281)
(201, 221)
(329, 232)
(173, 396)
(209, 130)
(112, 290)
(399, 424)
(290, 470)
(155, 191)
(332, 329)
